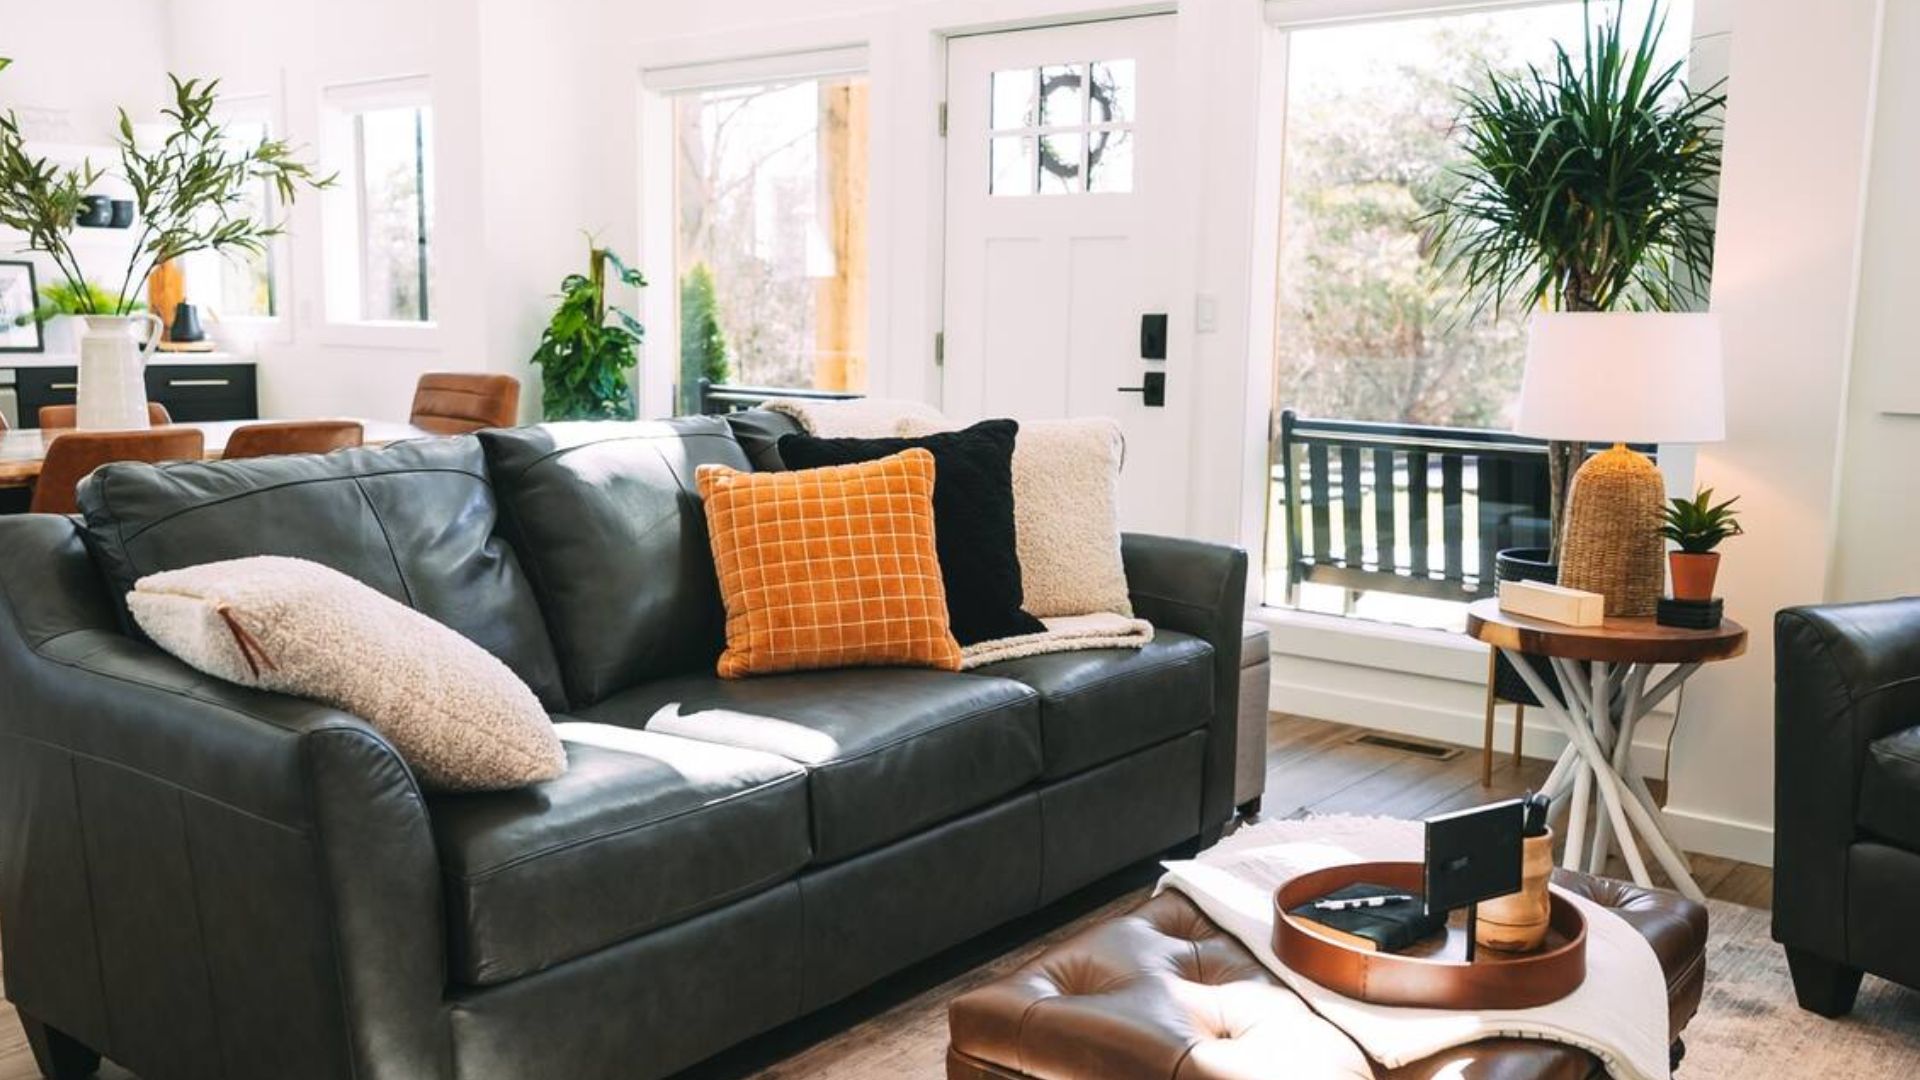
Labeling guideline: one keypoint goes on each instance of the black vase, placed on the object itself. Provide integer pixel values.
(186, 324)
(1524, 564)
(96, 212)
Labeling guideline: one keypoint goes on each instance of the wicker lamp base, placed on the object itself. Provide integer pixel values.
(1613, 544)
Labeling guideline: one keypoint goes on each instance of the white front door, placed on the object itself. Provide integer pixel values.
(1060, 241)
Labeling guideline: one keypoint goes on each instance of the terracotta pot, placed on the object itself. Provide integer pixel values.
(1693, 574)
(1517, 922)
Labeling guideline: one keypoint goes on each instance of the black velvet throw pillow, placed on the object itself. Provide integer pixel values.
(972, 518)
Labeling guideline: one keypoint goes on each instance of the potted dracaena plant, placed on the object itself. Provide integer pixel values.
(1585, 186)
(1698, 525)
(192, 191)
(584, 355)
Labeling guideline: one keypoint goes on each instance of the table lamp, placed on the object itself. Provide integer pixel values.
(1620, 377)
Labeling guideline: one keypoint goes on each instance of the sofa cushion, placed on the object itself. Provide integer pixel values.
(759, 432)
(414, 520)
(889, 751)
(642, 831)
(1101, 704)
(613, 537)
(1890, 788)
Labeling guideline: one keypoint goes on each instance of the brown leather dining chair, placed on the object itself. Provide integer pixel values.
(292, 437)
(72, 456)
(66, 416)
(454, 403)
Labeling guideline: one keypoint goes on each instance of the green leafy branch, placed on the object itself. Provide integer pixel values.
(192, 193)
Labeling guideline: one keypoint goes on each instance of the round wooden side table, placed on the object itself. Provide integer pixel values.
(1605, 673)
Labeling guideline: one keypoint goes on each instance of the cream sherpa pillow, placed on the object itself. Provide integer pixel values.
(1066, 512)
(459, 717)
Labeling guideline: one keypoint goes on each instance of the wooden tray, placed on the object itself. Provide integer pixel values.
(1435, 973)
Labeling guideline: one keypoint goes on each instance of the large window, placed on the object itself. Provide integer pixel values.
(771, 204)
(1366, 328)
(380, 216)
(249, 286)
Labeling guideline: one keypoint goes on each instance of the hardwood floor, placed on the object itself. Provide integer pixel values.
(1313, 766)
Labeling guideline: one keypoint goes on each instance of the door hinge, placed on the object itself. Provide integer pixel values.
(943, 119)
(939, 348)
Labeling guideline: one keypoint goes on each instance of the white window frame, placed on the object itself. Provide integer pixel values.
(342, 256)
(661, 83)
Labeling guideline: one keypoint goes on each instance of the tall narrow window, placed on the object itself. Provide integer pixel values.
(380, 217)
(249, 283)
(1399, 519)
(771, 202)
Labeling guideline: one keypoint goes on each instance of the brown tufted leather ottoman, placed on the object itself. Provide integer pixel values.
(1163, 993)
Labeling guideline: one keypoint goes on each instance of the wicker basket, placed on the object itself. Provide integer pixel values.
(1613, 544)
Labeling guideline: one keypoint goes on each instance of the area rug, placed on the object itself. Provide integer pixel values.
(1748, 1026)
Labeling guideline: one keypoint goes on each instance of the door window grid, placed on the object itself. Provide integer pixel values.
(1062, 129)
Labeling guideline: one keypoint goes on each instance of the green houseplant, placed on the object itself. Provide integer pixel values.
(1698, 525)
(583, 355)
(1588, 186)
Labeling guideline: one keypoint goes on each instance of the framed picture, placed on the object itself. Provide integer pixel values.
(19, 294)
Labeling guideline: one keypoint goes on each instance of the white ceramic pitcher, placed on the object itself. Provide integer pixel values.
(113, 363)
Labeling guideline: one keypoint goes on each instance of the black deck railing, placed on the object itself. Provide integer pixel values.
(1405, 508)
(718, 399)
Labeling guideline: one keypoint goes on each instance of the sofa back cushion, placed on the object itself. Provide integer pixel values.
(608, 518)
(414, 521)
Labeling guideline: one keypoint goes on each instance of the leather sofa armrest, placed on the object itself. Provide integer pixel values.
(1844, 675)
(155, 817)
(1198, 588)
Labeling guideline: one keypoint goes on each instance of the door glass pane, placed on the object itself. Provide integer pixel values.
(1060, 155)
(1013, 99)
(1012, 165)
(1060, 97)
(1110, 161)
(1112, 93)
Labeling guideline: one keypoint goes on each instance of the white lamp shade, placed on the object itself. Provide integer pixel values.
(1652, 377)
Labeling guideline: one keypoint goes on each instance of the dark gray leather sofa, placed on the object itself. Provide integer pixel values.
(202, 881)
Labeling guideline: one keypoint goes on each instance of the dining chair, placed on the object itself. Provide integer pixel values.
(292, 437)
(454, 403)
(70, 457)
(66, 416)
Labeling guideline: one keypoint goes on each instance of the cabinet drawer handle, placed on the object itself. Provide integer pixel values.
(63, 386)
(199, 382)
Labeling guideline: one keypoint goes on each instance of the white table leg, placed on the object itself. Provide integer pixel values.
(1623, 808)
(1604, 731)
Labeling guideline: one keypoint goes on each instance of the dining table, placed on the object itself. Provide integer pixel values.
(24, 450)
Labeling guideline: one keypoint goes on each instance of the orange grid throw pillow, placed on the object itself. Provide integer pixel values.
(830, 567)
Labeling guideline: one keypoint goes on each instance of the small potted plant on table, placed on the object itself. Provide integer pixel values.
(1698, 525)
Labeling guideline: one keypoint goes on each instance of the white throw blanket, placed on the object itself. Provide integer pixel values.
(1066, 633)
(1619, 1013)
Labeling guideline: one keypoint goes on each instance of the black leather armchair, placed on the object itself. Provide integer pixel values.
(1847, 797)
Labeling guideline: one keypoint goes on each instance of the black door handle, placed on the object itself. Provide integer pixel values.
(1153, 391)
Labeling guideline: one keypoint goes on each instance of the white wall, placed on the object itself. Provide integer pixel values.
(1879, 514)
(1791, 206)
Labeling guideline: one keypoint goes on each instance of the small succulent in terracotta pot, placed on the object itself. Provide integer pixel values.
(1698, 525)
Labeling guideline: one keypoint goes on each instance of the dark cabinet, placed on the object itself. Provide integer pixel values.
(191, 392)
